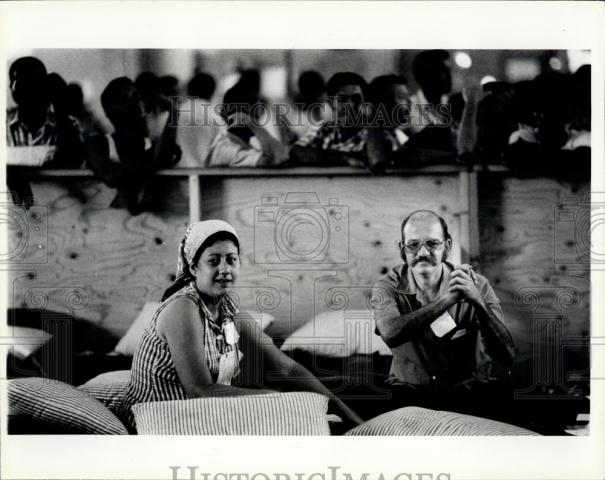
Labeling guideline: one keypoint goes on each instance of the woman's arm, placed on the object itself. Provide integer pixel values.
(180, 326)
(297, 377)
(283, 373)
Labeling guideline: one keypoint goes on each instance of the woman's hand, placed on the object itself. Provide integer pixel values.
(283, 373)
(349, 418)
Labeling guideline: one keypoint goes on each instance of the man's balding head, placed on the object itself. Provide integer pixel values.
(425, 218)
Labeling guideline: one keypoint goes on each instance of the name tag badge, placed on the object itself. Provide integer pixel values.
(228, 367)
(444, 324)
(231, 335)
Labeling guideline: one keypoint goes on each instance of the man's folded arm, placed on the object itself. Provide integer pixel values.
(396, 329)
(498, 341)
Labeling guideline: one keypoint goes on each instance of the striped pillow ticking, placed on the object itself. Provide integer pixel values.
(292, 413)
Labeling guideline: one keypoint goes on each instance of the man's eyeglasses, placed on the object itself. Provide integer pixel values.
(414, 245)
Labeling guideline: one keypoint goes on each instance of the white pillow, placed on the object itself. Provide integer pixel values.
(292, 413)
(338, 334)
(128, 343)
(27, 341)
(416, 421)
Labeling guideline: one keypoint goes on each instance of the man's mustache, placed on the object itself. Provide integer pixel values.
(430, 260)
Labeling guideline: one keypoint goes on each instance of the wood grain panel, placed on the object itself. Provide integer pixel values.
(120, 262)
(522, 245)
(375, 209)
(123, 261)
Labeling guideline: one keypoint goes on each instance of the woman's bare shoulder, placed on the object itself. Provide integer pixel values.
(181, 312)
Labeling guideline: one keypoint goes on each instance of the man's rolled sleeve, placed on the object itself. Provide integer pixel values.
(384, 302)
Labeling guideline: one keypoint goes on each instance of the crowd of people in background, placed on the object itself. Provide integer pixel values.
(536, 127)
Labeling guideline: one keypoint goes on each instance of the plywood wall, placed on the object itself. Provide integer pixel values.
(122, 261)
(534, 234)
(117, 262)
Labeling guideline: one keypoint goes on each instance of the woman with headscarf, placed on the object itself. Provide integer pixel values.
(197, 341)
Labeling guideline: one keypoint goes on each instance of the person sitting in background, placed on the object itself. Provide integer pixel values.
(525, 113)
(52, 140)
(431, 120)
(169, 86)
(267, 114)
(443, 324)
(250, 80)
(310, 108)
(393, 125)
(523, 154)
(573, 161)
(126, 159)
(344, 139)
(390, 98)
(487, 122)
(390, 120)
(36, 120)
(543, 108)
(89, 123)
(198, 121)
(149, 86)
(69, 131)
(546, 108)
(161, 113)
(57, 93)
(244, 142)
(578, 128)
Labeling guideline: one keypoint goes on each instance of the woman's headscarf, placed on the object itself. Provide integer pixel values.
(194, 238)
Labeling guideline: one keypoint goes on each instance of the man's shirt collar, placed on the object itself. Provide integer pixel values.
(408, 286)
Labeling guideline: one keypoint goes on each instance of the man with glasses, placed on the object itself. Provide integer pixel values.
(442, 322)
